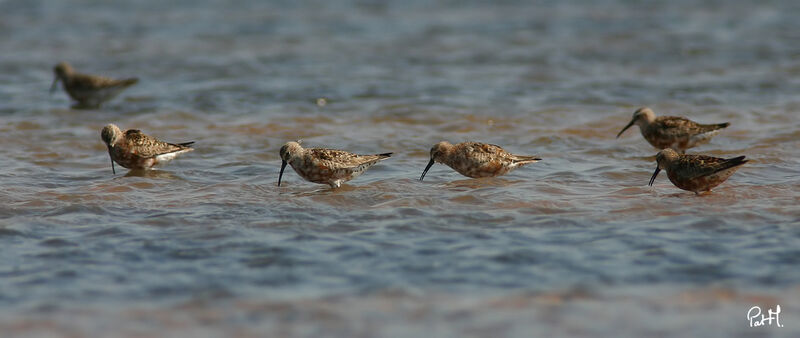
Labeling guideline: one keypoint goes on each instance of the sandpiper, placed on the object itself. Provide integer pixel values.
(134, 150)
(474, 159)
(695, 173)
(674, 132)
(90, 91)
(326, 166)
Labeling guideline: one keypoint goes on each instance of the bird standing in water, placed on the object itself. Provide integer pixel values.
(474, 159)
(133, 149)
(674, 132)
(89, 91)
(696, 173)
(326, 166)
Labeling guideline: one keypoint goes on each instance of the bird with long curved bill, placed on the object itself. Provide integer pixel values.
(674, 132)
(475, 160)
(695, 173)
(325, 166)
(89, 91)
(133, 149)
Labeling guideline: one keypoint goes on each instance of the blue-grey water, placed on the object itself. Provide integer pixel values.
(575, 245)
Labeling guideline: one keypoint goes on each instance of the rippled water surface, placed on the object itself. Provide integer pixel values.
(574, 245)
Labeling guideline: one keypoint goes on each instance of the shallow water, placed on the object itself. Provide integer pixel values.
(575, 245)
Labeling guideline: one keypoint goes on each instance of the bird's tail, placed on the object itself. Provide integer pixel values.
(129, 82)
(732, 162)
(186, 144)
(526, 159)
(712, 129)
(715, 126)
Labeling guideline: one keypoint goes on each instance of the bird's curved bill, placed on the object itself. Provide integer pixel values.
(53, 86)
(652, 179)
(426, 169)
(113, 171)
(626, 128)
(283, 166)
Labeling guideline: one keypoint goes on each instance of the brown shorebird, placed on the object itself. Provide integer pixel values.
(326, 166)
(473, 159)
(695, 173)
(674, 132)
(134, 150)
(90, 91)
